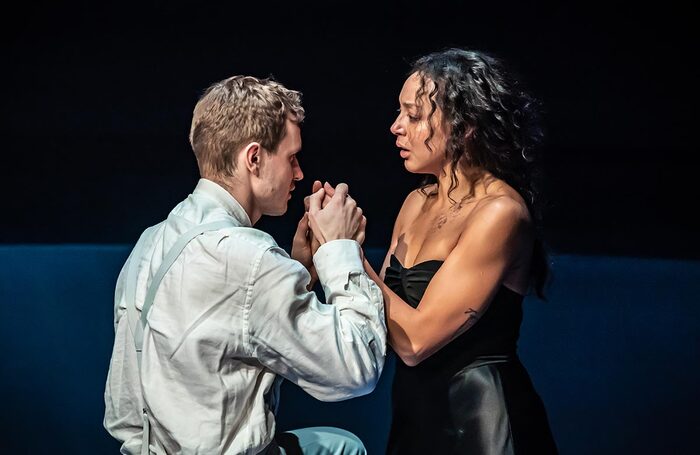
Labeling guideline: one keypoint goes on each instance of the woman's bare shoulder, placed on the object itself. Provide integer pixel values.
(501, 208)
(502, 201)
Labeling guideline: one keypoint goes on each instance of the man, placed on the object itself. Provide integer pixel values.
(210, 314)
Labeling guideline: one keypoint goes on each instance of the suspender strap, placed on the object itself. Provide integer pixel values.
(131, 278)
(146, 435)
(137, 324)
(170, 260)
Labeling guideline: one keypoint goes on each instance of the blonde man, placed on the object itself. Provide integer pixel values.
(210, 314)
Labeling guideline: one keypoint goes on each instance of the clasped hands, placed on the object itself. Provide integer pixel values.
(330, 214)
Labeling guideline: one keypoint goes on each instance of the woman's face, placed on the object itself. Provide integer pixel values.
(412, 128)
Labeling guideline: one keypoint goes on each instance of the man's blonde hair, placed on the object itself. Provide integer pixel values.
(236, 111)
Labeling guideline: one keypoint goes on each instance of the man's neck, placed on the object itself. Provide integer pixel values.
(241, 193)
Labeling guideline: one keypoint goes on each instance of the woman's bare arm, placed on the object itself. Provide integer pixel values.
(462, 289)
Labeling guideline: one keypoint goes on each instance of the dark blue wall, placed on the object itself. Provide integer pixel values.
(614, 355)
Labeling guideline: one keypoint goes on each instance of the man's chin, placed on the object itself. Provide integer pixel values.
(277, 211)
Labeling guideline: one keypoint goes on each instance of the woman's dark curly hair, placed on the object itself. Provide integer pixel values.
(494, 126)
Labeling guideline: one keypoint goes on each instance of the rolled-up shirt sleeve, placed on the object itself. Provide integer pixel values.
(334, 351)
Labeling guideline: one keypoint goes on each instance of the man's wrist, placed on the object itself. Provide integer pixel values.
(337, 257)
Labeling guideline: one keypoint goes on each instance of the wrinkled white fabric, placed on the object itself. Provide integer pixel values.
(229, 319)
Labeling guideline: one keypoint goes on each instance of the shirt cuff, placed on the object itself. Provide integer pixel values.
(337, 258)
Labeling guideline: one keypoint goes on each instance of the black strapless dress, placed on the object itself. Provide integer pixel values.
(473, 396)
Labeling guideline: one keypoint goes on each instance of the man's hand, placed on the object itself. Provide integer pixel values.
(302, 248)
(315, 244)
(330, 191)
(317, 186)
(339, 219)
(359, 235)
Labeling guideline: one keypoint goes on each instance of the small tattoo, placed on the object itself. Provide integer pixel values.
(472, 313)
(453, 212)
(441, 221)
(471, 320)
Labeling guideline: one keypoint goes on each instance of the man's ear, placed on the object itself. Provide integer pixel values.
(252, 154)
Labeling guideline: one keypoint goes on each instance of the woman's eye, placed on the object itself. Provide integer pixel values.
(410, 117)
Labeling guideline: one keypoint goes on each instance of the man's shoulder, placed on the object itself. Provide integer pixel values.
(250, 236)
(248, 244)
(250, 247)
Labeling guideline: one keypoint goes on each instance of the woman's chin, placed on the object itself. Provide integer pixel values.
(412, 168)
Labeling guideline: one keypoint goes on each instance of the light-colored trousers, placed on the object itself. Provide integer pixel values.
(319, 441)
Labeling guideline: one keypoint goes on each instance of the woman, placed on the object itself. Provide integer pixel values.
(463, 253)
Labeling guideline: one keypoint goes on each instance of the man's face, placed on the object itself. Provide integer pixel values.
(278, 172)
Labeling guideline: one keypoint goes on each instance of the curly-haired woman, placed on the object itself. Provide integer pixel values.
(464, 252)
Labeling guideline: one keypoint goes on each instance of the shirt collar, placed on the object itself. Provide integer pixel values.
(224, 198)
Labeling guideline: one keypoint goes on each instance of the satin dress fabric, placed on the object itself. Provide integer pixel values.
(473, 396)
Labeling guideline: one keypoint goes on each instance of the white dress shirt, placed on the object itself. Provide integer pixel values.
(231, 315)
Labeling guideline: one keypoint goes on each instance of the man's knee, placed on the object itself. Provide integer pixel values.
(328, 441)
(346, 443)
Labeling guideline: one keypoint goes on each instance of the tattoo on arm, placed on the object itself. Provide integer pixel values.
(472, 317)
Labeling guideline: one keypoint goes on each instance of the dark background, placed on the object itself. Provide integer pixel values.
(96, 106)
(97, 102)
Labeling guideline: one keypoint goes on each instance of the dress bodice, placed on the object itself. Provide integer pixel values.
(495, 333)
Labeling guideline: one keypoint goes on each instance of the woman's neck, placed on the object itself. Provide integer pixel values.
(469, 182)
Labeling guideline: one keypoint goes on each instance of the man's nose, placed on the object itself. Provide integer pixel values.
(298, 174)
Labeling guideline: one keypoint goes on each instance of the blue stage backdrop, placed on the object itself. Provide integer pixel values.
(613, 353)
